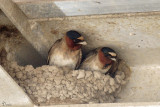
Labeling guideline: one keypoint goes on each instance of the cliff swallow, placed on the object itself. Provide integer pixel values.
(66, 52)
(100, 59)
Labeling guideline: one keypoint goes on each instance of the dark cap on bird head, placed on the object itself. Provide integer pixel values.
(72, 34)
(76, 37)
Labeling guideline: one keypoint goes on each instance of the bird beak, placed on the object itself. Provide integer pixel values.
(114, 59)
(82, 43)
(112, 53)
(81, 38)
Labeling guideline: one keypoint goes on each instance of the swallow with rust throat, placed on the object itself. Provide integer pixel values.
(66, 52)
(100, 59)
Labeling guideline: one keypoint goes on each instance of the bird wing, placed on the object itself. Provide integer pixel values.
(90, 55)
(79, 60)
(52, 49)
(92, 52)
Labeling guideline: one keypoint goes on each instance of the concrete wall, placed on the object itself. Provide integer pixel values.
(135, 37)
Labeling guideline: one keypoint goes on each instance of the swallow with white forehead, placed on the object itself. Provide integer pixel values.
(66, 52)
(100, 59)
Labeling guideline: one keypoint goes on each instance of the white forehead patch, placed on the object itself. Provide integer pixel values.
(112, 53)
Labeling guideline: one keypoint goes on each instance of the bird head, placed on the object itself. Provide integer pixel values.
(107, 56)
(74, 40)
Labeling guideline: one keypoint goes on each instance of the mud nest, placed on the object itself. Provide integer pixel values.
(48, 85)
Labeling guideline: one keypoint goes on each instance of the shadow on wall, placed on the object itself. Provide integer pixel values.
(27, 55)
(17, 48)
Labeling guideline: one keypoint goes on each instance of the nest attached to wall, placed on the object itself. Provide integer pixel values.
(48, 85)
